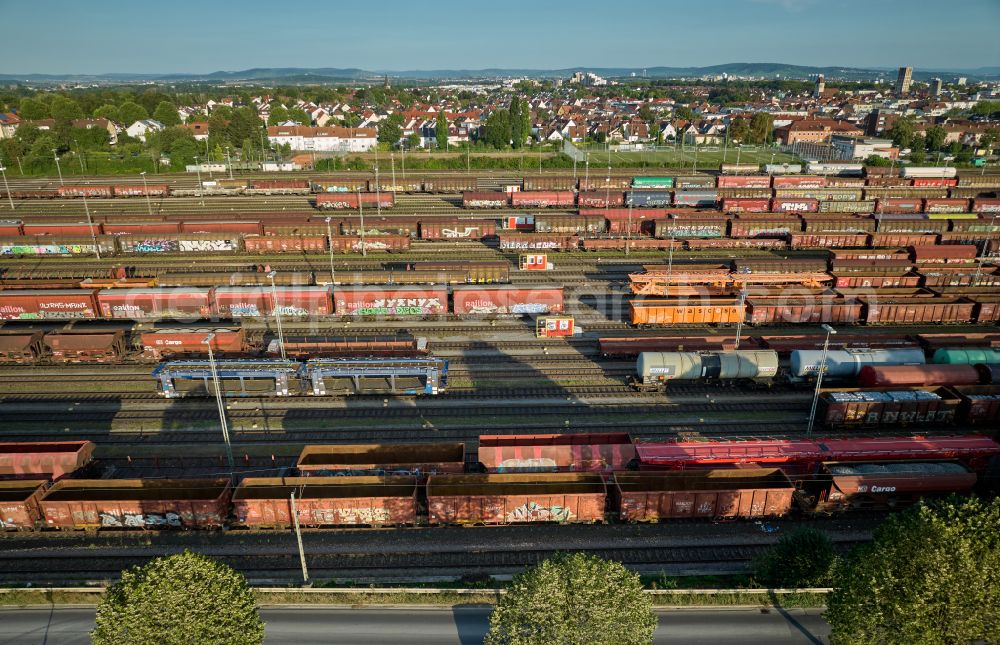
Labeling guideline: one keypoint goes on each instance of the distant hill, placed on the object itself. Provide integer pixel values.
(303, 75)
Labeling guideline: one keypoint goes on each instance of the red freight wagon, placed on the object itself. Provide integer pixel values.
(51, 459)
(795, 205)
(601, 199)
(798, 181)
(507, 299)
(285, 244)
(516, 498)
(354, 244)
(934, 181)
(341, 347)
(155, 303)
(279, 184)
(904, 311)
(848, 486)
(20, 348)
(141, 227)
(158, 345)
(457, 229)
(979, 403)
(946, 205)
(869, 254)
(827, 240)
(79, 228)
(264, 502)
(745, 204)
(137, 503)
(830, 223)
(736, 243)
(899, 205)
(542, 199)
(89, 190)
(619, 244)
(86, 347)
(901, 240)
(141, 190)
(48, 304)
(619, 219)
(739, 492)
(878, 281)
(417, 459)
(248, 228)
(350, 200)
(780, 227)
(19, 504)
(782, 310)
(492, 199)
(391, 301)
(984, 205)
(744, 181)
(537, 242)
(290, 301)
(9, 227)
(555, 452)
(886, 376)
(944, 254)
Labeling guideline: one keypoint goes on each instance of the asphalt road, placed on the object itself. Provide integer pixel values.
(460, 626)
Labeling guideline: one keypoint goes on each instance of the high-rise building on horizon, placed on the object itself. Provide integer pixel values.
(935, 87)
(820, 86)
(903, 80)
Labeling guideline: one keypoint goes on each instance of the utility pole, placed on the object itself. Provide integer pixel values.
(277, 314)
(10, 198)
(298, 538)
(361, 213)
(55, 155)
(819, 378)
(90, 223)
(329, 237)
(739, 323)
(145, 189)
(201, 192)
(229, 161)
(221, 406)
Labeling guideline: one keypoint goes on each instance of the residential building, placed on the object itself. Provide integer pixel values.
(8, 124)
(814, 131)
(903, 80)
(198, 128)
(855, 147)
(329, 139)
(140, 129)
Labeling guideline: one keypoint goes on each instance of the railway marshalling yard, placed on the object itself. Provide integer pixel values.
(502, 379)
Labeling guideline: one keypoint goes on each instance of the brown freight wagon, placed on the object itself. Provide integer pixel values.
(598, 184)
(353, 347)
(632, 346)
(779, 227)
(21, 348)
(683, 311)
(137, 503)
(891, 310)
(900, 240)
(934, 278)
(829, 224)
(601, 199)
(555, 452)
(803, 310)
(619, 244)
(987, 307)
(19, 504)
(944, 254)
(370, 243)
(538, 242)
(265, 502)
(736, 243)
(911, 224)
(461, 229)
(449, 183)
(725, 493)
(285, 244)
(845, 408)
(828, 240)
(550, 182)
(416, 459)
(873, 485)
(86, 347)
(516, 498)
(158, 345)
(782, 265)
(869, 254)
(51, 459)
(487, 271)
(978, 404)
(865, 281)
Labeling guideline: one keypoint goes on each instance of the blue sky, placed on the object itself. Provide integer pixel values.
(62, 36)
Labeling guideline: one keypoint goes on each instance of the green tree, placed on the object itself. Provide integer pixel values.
(33, 109)
(65, 110)
(875, 160)
(802, 558)
(684, 112)
(166, 113)
(935, 137)
(300, 115)
(989, 138)
(413, 141)
(498, 129)
(739, 131)
(573, 599)
(109, 112)
(761, 126)
(390, 129)
(517, 135)
(441, 130)
(917, 149)
(186, 598)
(278, 115)
(931, 576)
(901, 132)
(130, 112)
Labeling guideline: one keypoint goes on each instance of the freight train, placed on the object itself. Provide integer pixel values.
(528, 479)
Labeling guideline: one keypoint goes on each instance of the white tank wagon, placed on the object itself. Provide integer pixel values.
(655, 369)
